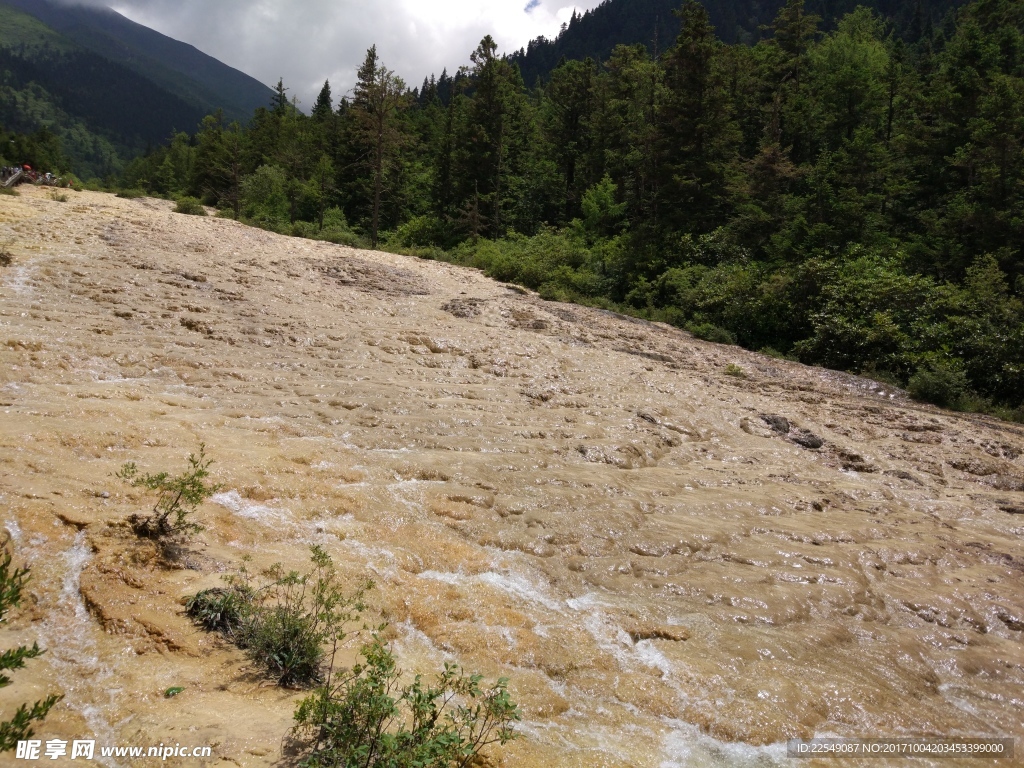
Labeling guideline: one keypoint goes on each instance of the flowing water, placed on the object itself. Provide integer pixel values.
(665, 564)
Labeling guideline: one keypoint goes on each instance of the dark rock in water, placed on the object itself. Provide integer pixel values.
(1013, 510)
(779, 423)
(808, 440)
(902, 475)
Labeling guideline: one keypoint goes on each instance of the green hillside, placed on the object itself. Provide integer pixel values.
(102, 112)
(197, 79)
(654, 24)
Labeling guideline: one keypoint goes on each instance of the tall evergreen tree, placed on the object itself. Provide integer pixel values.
(698, 138)
(379, 96)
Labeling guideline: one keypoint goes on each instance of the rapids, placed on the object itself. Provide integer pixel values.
(652, 550)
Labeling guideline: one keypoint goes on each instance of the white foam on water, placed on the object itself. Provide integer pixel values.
(233, 501)
(13, 528)
(512, 583)
(18, 279)
(586, 602)
(685, 746)
(67, 635)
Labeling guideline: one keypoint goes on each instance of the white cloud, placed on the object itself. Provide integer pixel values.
(308, 41)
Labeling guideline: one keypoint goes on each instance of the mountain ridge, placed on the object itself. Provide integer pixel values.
(653, 23)
(178, 67)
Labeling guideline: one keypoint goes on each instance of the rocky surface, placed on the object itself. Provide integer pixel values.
(674, 565)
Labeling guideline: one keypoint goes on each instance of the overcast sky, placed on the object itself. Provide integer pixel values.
(307, 41)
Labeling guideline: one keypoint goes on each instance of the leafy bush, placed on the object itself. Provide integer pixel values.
(367, 719)
(10, 191)
(19, 727)
(265, 198)
(734, 370)
(284, 622)
(131, 194)
(939, 385)
(219, 609)
(190, 206)
(177, 497)
(710, 332)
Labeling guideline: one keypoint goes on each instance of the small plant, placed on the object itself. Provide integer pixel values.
(6, 259)
(177, 497)
(131, 194)
(219, 609)
(10, 191)
(19, 727)
(59, 197)
(190, 206)
(734, 370)
(365, 718)
(173, 691)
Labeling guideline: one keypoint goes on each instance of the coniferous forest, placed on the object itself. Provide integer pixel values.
(849, 198)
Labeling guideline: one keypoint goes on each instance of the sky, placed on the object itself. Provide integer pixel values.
(308, 41)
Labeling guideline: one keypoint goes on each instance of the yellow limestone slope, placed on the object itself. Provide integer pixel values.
(583, 502)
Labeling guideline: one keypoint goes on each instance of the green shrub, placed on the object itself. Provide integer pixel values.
(190, 206)
(177, 497)
(711, 332)
(19, 727)
(939, 385)
(131, 194)
(734, 370)
(219, 609)
(364, 718)
(285, 621)
(265, 199)
(10, 191)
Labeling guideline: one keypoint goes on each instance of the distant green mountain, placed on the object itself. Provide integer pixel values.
(654, 24)
(107, 87)
(179, 68)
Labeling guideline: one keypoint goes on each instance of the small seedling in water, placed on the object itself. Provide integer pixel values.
(177, 497)
(173, 691)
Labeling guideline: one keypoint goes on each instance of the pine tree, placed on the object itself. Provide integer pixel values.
(379, 96)
(493, 134)
(323, 108)
(698, 137)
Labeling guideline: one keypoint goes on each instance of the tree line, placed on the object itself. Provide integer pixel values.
(849, 199)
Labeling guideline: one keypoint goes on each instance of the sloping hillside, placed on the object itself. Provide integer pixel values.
(653, 23)
(200, 80)
(681, 553)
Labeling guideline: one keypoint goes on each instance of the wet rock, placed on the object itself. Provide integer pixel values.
(1013, 510)
(974, 466)
(779, 424)
(854, 462)
(1007, 483)
(674, 634)
(807, 440)
(464, 308)
(902, 475)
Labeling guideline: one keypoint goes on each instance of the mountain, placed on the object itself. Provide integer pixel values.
(197, 79)
(102, 112)
(654, 23)
(107, 87)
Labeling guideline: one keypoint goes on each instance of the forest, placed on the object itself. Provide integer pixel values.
(850, 198)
